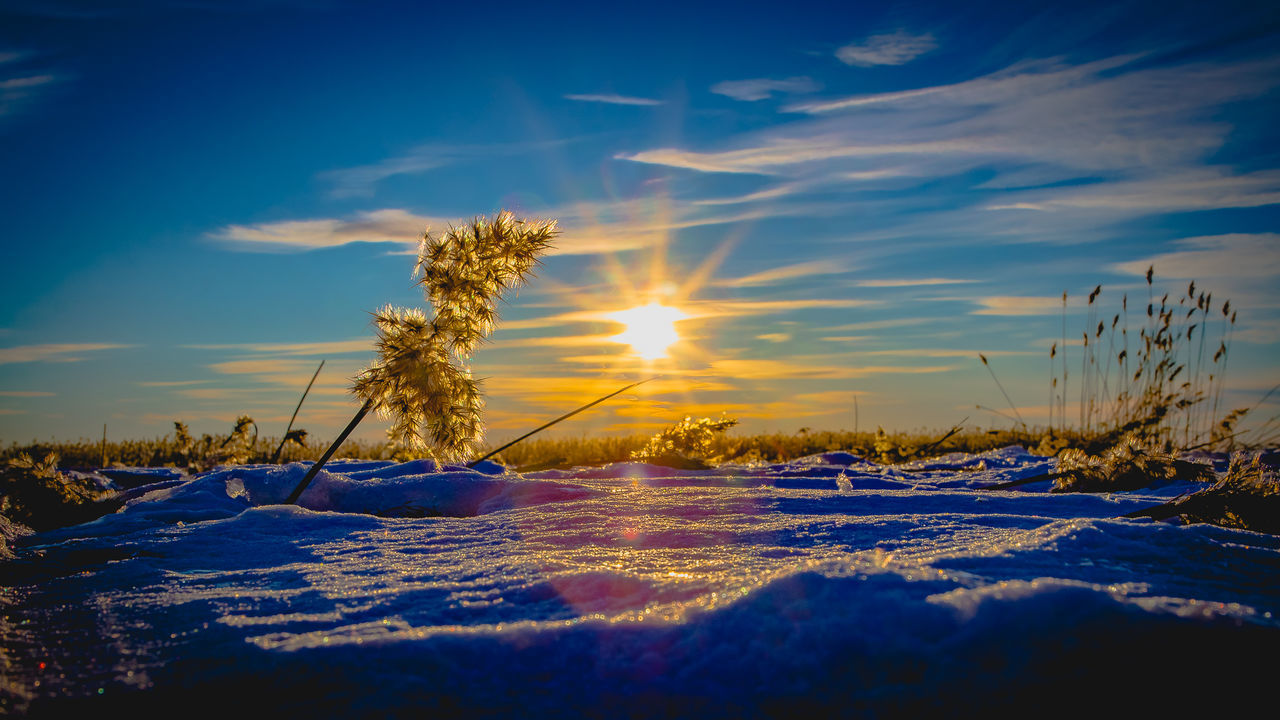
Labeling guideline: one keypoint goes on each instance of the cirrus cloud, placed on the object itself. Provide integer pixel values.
(896, 48)
(1018, 305)
(762, 88)
(378, 226)
(1236, 255)
(59, 352)
(613, 99)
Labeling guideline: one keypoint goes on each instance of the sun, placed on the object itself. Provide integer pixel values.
(650, 329)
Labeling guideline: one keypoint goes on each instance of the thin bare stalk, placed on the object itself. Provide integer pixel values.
(1224, 351)
(311, 474)
(1062, 404)
(1084, 379)
(1053, 381)
(566, 416)
(1012, 407)
(276, 457)
(1089, 371)
(943, 439)
(993, 411)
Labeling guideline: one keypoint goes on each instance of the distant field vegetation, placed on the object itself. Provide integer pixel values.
(181, 450)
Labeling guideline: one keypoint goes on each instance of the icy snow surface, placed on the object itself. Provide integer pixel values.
(828, 584)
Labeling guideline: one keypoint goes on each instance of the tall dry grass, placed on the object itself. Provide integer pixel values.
(1163, 385)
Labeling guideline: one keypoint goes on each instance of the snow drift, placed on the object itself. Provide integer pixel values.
(828, 584)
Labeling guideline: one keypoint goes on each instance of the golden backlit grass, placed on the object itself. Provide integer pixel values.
(180, 450)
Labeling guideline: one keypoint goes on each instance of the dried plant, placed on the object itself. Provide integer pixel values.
(1128, 465)
(1162, 387)
(430, 396)
(894, 448)
(1246, 497)
(420, 378)
(687, 440)
(36, 494)
(238, 446)
(183, 443)
(465, 271)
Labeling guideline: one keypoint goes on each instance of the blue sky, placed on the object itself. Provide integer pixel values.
(849, 200)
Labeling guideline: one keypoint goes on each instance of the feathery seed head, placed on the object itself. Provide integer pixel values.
(420, 379)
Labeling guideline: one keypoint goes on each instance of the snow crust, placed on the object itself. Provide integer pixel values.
(829, 584)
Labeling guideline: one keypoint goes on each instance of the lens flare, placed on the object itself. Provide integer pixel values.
(650, 329)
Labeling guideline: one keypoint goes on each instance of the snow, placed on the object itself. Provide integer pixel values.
(829, 584)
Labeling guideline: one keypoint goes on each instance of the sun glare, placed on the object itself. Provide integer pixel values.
(651, 329)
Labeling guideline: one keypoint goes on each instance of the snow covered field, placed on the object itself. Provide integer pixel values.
(824, 587)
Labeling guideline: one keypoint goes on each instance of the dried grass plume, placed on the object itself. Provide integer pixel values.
(420, 378)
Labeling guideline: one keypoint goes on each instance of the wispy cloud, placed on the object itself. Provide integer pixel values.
(777, 156)
(1069, 151)
(1237, 255)
(278, 373)
(890, 324)
(1018, 305)
(805, 369)
(395, 226)
(770, 193)
(795, 271)
(259, 366)
(944, 353)
(614, 99)
(911, 282)
(1113, 119)
(763, 88)
(896, 48)
(20, 83)
(720, 308)
(1241, 267)
(551, 341)
(362, 180)
(612, 237)
(543, 395)
(25, 393)
(586, 228)
(338, 347)
(65, 352)
(23, 81)
(220, 393)
(20, 91)
(549, 321)
(1203, 188)
(597, 228)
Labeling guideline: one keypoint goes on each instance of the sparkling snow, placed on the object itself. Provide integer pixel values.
(826, 585)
